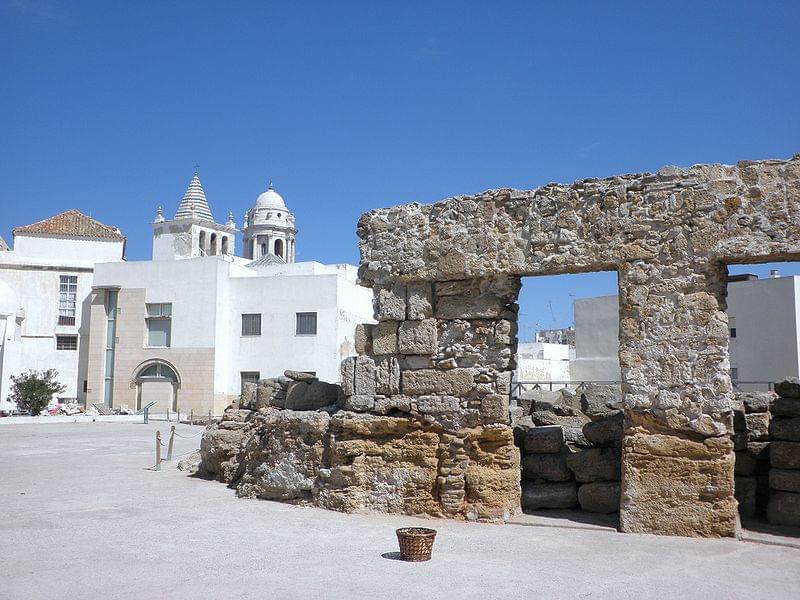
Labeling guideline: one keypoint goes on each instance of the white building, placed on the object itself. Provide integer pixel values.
(763, 317)
(543, 361)
(188, 327)
(45, 283)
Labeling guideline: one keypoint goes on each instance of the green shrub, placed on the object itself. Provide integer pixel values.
(33, 390)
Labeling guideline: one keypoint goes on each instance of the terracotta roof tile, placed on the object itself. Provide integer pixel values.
(72, 223)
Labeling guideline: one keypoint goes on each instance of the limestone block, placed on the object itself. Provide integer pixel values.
(784, 509)
(543, 440)
(605, 431)
(785, 455)
(347, 374)
(389, 302)
(677, 486)
(486, 306)
(788, 388)
(395, 403)
(363, 338)
(420, 300)
(387, 376)
(787, 480)
(503, 382)
(384, 338)
(785, 429)
(300, 376)
(786, 407)
(597, 400)
(492, 476)
(418, 337)
(600, 496)
(494, 408)
(547, 467)
(595, 464)
(549, 495)
(248, 398)
(364, 377)
(745, 493)
(219, 449)
(359, 403)
(437, 405)
(453, 382)
(756, 402)
(757, 427)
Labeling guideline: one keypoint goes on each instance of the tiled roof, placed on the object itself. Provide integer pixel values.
(267, 259)
(194, 203)
(72, 223)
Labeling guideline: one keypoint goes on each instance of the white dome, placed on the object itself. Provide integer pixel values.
(9, 303)
(270, 199)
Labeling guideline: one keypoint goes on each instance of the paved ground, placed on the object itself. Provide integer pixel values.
(83, 518)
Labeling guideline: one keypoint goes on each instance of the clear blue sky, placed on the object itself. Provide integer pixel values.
(347, 106)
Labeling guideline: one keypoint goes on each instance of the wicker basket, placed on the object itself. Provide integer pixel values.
(416, 543)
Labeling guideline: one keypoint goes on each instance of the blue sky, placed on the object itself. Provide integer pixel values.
(347, 106)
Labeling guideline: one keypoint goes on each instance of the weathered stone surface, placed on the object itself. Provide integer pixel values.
(364, 376)
(358, 403)
(454, 382)
(598, 400)
(677, 486)
(788, 388)
(756, 402)
(494, 409)
(248, 397)
(218, 451)
(757, 427)
(786, 407)
(545, 439)
(595, 464)
(300, 376)
(190, 464)
(392, 404)
(389, 302)
(491, 479)
(784, 509)
(785, 429)
(266, 390)
(387, 376)
(347, 375)
(547, 467)
(418, 337)
(600, 496)
(549, 495)
(745, 493)
(436, 405)
(785, 455)
(606, 430)
(384, 338)
(787, 480)
(420, 300)
(363, 338)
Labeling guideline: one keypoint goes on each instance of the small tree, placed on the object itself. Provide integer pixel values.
(33, 390)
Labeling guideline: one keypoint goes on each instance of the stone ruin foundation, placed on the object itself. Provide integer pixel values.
(421, 424)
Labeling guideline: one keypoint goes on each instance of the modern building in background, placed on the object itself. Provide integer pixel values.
(187, 328)
(45, 284)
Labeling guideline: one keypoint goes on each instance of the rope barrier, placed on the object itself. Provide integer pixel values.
(188, 437)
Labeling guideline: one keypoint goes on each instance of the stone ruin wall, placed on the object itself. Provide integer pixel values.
(423, 426)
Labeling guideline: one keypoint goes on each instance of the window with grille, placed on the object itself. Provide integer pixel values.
(66, 342)
(67, 299)
(307, 323)
(251, 324)
(250, 377)
(159, 325)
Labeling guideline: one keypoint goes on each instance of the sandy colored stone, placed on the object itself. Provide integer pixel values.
(417, 337)
(454, 382)
(389, 302)
(384, 338)
(363, 338)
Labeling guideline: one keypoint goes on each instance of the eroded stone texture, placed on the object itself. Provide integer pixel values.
(668, 236)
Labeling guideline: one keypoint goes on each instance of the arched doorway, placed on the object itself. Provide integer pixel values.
(156, 381)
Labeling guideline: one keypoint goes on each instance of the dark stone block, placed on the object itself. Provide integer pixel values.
(784, 509)
(549, 467)
(745, 492)
(787, 480)
(600, 496)
(544, 439)
(785, 455)
(595, 464)
(786, 407)
(606, 431)
(786, 429)
(549, 495)
(788, 388)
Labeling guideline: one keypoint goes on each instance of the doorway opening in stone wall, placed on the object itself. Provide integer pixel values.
(763, 304)
(566, 398)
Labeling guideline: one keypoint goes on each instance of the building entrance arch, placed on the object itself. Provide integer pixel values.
(156, 380)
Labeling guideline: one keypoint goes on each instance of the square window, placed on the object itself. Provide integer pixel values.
(66, 342)
(159, 333)
(306, 323)
(251, 324)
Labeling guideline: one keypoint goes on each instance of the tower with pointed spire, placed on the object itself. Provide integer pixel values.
(192, 232)
(269, 230)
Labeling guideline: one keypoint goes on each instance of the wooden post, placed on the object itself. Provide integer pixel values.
(158, 450)
(169, 445)
(191, 417)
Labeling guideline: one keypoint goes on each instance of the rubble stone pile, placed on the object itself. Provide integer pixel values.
(570, 445)
(784, 474)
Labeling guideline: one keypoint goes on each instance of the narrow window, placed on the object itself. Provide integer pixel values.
(202, 243)
(66, 342)
(249, 377)
(263, 249)
(251, 324)
(111, 342)
(279, 248)
(733, 332)
(307, 323)
(225, 244)
(213, 247)
(67, 299)
(159, 325)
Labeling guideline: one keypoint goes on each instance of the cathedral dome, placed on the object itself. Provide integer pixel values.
(9, 303)
(270, 199)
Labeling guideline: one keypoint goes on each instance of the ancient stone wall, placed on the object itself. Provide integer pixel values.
(446, 275)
